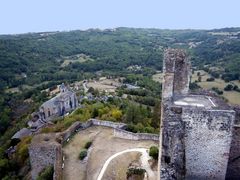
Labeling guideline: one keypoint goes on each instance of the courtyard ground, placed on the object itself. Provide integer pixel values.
(104, 146)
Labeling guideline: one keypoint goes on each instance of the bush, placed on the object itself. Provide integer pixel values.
(22, 149)
(218, 91)
(153, 152)
(194, 86)
(135, 171)
(82, 154)
(88, 144)
(228, 87)
(210, 79)
(46, 174)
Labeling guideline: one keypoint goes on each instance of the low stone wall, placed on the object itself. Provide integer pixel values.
(120, 133)
(70, 131)
(107, 123)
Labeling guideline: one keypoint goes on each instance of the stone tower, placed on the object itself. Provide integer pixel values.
(196, 132)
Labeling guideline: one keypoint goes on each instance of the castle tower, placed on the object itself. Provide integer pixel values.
(196, 132)
(176, 70)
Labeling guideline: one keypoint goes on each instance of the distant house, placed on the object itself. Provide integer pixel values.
(129, 86)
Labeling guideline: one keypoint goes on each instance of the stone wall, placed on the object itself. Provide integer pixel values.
(120, 133)
(44, 152)
(172, 157)
(182, 73)
(176, 69)
(70, 131)
(208, 135)
(233, 171)
(107, 123)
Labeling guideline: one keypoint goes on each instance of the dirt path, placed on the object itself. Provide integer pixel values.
(144, 159)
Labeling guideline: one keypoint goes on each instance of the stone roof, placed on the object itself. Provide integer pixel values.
(60, 97)
(22, 133)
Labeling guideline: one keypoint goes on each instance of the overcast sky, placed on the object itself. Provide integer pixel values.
(22, 16)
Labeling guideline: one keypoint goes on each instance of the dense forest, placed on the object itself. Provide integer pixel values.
(32, 62)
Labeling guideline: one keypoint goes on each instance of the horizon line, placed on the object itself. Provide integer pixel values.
(112, 28)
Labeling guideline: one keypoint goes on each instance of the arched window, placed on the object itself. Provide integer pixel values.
(49, 113)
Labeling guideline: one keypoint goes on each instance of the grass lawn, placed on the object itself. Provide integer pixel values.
(157, 77)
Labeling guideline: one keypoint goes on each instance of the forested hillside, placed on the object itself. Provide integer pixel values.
(40, 55)
(30, 63)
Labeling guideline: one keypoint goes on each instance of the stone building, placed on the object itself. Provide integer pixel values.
(59, 105)
(196, 131)
(64, 102)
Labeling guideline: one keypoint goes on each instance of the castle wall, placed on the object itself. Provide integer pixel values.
(107, 123)
(44, 155)
(233, 171)
(171, 159)
(70, 131)
(208, 136)
(120, 133)
(167, 86)
(182, 74)
(176, 69)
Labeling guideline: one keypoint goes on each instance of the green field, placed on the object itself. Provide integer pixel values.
(75, 58)
(157, 77)
(232, 96)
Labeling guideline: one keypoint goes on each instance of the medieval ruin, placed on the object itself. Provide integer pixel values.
(196, 130)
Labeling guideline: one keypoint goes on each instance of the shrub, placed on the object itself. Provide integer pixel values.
(210, 79)
(46, 174)
(135, 171)
(228, 87)
(153, 152)
(219, 92)
(22, 149)
(88, 144)
(82, 154)
(194, 86)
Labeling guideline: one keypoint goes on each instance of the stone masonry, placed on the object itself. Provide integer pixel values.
(196, 132)
(45, 151)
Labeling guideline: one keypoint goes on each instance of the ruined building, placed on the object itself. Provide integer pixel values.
(196, 131)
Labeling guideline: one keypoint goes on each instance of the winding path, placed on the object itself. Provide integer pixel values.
(144, 160)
